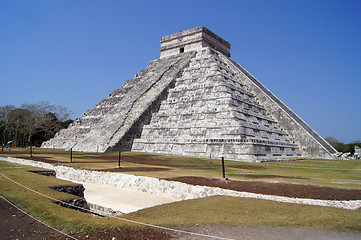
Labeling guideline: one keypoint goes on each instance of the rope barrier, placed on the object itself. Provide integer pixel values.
(119, 218)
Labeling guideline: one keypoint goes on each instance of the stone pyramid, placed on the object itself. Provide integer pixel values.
(195, 101)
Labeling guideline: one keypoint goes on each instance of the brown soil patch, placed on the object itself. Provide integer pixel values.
(124, 234)
(74, 160)
(146, 159)
(17, 225)
(138, 159)
(134, 169)
(268, 176)
(129, 169)
(278, 189)
(43, 159)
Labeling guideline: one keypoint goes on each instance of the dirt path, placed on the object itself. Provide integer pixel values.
(266, 233)
(277, 189)
(16, 225)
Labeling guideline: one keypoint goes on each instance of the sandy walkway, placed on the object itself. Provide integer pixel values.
(121, 199)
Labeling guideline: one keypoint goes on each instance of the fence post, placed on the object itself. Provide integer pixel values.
(224, 174)
(119, 156)
(31, 151)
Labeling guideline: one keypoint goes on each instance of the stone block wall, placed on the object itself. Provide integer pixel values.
(310, 142)
(121, 115)
(193, 40)
(210, 112)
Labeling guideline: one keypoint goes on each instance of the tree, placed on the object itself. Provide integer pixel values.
(32, 123)
(341, 147)
(44, 118)
(4, 123)
(49, 126)
(353, 144)
(17, 125)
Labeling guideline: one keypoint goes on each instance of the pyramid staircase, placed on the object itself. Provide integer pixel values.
(194, 101)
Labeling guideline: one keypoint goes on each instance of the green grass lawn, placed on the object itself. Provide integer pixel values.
(336, 173)
(211, 210)
(70, 221)
(245, 211)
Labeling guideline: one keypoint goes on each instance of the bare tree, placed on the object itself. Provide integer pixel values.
(32, 122)
(4, 119)
(45, 117)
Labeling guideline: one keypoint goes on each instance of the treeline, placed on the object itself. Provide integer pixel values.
(31, 124)
(342, 147)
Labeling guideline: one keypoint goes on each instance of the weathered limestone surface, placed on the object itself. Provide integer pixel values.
(210, 112)
(194, 101)
(193, 40)
(120, 117)
(299, 132)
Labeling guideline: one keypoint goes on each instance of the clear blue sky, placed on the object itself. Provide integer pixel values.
(75, 52)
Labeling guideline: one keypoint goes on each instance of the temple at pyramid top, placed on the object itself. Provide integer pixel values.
(195, 101)
(192, 40)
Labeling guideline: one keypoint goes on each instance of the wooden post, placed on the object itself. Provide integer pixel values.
(31, 151)
(224, 174)
(71, 154)
(119, 159)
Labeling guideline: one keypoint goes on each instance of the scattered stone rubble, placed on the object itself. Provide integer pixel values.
(178, 190)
